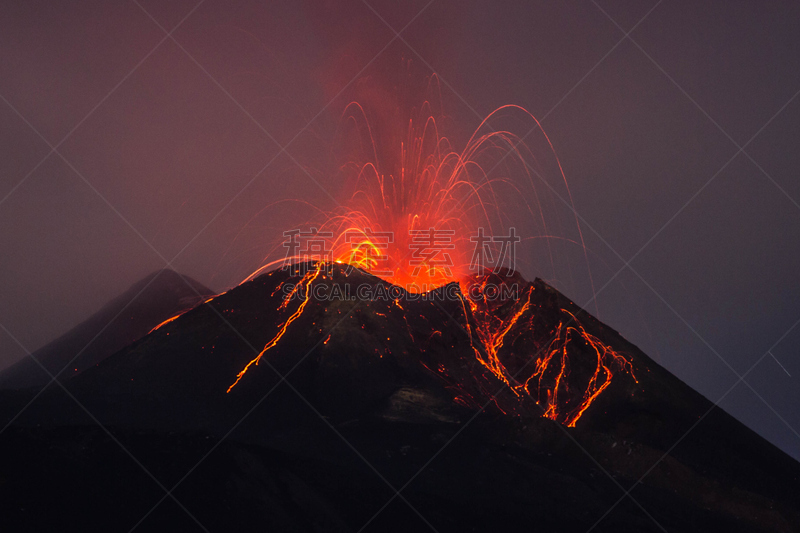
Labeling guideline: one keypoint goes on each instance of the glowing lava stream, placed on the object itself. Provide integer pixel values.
(600, 380)
(492, 334)
(305, 283)
(170, 319)
(492, 339)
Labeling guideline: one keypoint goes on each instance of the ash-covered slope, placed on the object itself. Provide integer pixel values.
(365, 395)
(124, 319)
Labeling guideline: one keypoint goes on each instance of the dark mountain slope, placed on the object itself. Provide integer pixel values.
(158, 296)
(379, 393)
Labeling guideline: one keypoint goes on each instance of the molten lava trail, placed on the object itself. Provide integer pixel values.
(304, 288)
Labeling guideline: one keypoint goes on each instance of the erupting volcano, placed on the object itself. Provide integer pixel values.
(435, 218)
(391, 371)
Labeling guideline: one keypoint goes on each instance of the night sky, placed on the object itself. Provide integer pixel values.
(125, 150)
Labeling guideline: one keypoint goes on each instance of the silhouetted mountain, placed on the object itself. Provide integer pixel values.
(128, 317)
(362, 397)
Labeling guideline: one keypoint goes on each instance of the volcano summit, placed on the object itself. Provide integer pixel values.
(322, 398)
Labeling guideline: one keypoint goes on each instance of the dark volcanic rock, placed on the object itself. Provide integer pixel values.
(365, 396)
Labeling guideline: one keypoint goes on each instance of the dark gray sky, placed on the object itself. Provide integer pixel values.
(680, 144)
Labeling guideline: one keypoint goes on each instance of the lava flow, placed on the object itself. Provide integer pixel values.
(414, 225)
(543, 375)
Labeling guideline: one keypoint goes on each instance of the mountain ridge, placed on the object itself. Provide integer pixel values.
(122, 320)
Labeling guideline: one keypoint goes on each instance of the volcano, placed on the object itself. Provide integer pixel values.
(311, 399)
(121, 321)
